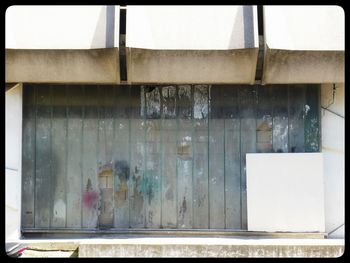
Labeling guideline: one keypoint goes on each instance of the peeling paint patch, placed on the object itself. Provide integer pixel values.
(59, 209)
(122, 170)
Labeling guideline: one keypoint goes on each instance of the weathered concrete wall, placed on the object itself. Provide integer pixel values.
(285, 192)
(301, 67)
(210, 247)
(62, 27)
(62, 66)
(189, 66)
(303, 44)
(333, 139)
(13, 144)
(191, 44)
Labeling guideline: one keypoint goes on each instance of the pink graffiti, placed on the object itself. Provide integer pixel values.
(90, 199)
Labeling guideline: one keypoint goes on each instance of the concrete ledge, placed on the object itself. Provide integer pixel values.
(298, 66)
(126, 246)
(63, 66)
(210, 247)
(191, 66)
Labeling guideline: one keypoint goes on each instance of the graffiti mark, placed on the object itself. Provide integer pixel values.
(122, 170)
(183, 209)
(149, 185)
(90, 199)
(88, 186)
(105, 170)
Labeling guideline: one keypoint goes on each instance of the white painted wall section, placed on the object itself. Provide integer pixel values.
(13, 124)
(333, 147)
(62, 27)
(285, 192)
(13, 139)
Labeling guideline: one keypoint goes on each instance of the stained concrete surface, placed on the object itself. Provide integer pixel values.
(62, 66)
(125, 246)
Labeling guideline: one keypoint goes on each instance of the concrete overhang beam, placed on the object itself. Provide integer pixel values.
(303, 44)
(92, 66)
(191, 44)
(62, 44)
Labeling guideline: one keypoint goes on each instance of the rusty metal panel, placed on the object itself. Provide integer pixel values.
(121, 156)
(104, 157)
(280, 118)
(105, 218)
(297, 105)
(230, 103)
(248, 99)
(152, 177)
(312, 119)
(43, 158)
(200, 157)
(216, 161)
(153, 156)
(184, 158)
(264, 119)
(91, 192)
(58, 156)
(74, 157)
(169, 155)
(28, 158)
(137, 159)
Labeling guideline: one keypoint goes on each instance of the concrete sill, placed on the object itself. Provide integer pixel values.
(194, 247)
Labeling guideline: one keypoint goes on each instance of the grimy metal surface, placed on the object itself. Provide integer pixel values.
(153, 157)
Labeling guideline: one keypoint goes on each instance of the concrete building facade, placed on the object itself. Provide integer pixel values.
(225, 119)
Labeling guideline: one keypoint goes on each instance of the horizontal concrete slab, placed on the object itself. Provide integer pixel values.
(62, 66)
(191, 66)
(192, 44)
(129, 246)
(210, 247)
(301, 67)
(303, 44)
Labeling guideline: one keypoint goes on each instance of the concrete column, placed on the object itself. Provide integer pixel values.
(13, 153)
